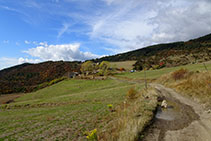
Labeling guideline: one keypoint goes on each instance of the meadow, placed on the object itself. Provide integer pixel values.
(62, 111)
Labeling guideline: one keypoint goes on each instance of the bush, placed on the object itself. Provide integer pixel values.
(179, 74)
(132, 93)
(56, 81)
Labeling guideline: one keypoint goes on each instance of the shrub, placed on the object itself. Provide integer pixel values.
(161, 65)
(132, 93)
(156, 67)
(121, 69)
(56, 81)
(179, 74)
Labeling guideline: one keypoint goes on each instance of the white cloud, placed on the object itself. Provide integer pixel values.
(64, 28)
(22, 60)
(134, 24)
(43, 43)
(35, 43)
(66, 52)
(27, 42)
(9, 62)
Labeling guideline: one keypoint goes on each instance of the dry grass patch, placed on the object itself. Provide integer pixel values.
(132, 117)
(179, 74)
(128, 65)
(194, 84)
(132, 93)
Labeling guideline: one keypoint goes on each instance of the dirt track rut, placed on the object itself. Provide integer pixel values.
(196, 122)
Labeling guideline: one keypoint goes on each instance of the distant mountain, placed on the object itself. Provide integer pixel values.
(169, 54)
(27, 77)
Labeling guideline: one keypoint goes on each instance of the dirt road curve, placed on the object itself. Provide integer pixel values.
(192, 123)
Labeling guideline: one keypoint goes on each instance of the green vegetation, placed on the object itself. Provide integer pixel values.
(100, 69)
(78, 110)
(154, 74)
(27, 77)
(133, 115)
(30, 77)
(169, 55)
(62, 111)
(100, 109)
(87, 67)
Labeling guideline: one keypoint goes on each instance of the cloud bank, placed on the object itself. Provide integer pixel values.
(45, 52)
(66, 52)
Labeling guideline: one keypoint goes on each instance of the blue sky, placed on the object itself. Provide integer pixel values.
(40, 30)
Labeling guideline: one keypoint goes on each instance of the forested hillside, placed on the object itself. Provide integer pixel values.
(168, 55)
(28, 77)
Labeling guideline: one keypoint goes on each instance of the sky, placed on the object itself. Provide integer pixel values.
(41, 30)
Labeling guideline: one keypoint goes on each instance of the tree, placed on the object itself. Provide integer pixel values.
(87, 67)
(104, 68)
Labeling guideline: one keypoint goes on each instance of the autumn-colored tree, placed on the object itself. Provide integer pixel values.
(104, 68)
(87, 67)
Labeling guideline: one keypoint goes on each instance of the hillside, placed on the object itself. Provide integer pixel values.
(27, 77)
(170, 54)
(72, 108)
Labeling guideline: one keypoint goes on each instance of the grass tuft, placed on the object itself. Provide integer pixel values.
(179, 74)
(132, 93)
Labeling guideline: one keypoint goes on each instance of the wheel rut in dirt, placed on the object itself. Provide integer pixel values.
(175, 117)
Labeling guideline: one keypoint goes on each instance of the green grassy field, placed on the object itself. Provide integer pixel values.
(62, 111)
(153, 74)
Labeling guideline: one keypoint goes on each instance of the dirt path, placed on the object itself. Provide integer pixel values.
(185, 120)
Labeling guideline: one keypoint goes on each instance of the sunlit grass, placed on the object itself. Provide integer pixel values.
(62, 111)
(154, 74)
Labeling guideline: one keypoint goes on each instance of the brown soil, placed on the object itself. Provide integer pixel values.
(8, 98)
(182, 120)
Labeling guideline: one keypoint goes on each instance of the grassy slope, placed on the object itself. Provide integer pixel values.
(128, 65)
(62, 111)
(196, 86)
(154, 74)
(67, 109)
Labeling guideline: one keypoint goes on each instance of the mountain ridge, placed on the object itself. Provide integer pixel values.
(27, 77)
(169, 54)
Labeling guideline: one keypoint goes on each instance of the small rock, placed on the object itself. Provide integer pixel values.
(164, 104)
(209, 111)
